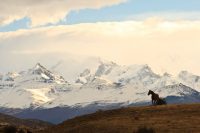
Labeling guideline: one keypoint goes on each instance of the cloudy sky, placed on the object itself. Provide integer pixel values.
(165, 34)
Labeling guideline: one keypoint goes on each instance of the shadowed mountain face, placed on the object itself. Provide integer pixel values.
(11, 123)
(58, 114)
(161, 119)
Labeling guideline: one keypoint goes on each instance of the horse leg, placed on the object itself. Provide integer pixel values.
(154, 102)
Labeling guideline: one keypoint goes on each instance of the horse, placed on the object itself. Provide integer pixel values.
(154, 97)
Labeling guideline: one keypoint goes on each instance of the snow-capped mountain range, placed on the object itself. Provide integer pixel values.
(108, 84)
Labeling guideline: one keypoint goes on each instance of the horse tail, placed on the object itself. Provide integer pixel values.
(161, 101)
(164, 101)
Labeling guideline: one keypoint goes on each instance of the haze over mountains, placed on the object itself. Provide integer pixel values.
(104, 85)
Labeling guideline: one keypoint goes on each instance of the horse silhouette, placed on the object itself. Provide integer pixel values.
(156, 100)
(154, 97)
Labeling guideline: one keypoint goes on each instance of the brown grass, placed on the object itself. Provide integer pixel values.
(161, 119)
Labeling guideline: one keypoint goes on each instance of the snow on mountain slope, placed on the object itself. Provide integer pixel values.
(189, 79)
(176, 90)
(121, 74)
(101, 68)
(46, 75)
(84, 77)
(31, 88)
(11, 76)
(108, 83)
(130, 84)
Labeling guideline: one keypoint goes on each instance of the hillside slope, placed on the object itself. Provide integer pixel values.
(28, 124)
(163, 119)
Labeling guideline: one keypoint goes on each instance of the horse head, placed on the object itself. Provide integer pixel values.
(150, 92)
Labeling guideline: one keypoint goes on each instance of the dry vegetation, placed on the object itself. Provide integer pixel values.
(10, 124)
(154, 119)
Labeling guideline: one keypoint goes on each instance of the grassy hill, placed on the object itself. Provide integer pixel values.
(10, 124)
(161, 119)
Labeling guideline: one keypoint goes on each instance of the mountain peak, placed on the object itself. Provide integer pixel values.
(146, 67)
(105, 68)
(38, 66)
(184, 72)
(167, 74)
(114, 83)
(46, 74)
(187, 75)
(39, 69)
(142, 70)
(106, 62)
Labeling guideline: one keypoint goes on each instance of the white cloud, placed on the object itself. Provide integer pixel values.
(167, 15)
(46, 11)
(166, 45)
